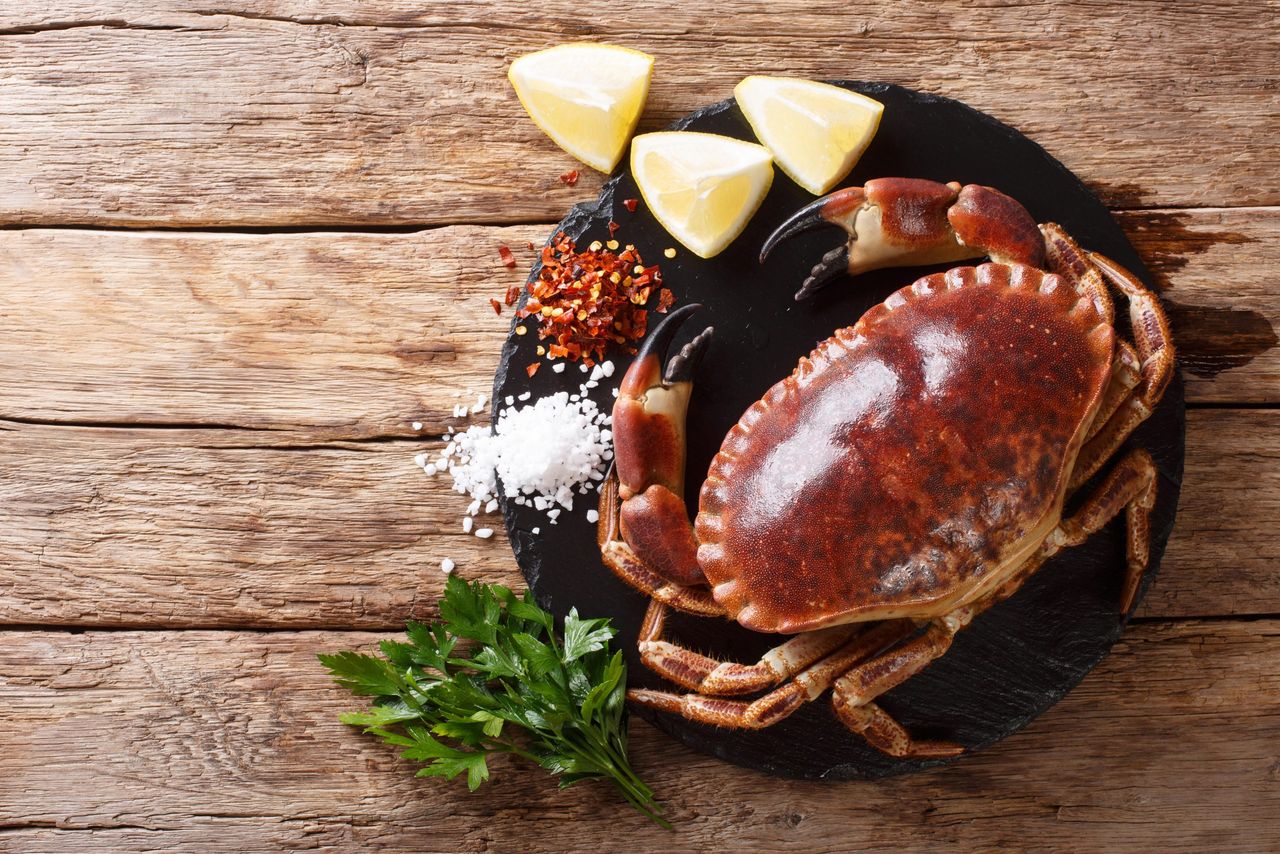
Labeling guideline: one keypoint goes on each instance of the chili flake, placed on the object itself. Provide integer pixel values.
(508, 260)
(630, 204)
(584, 301)
(532, 368)
(497, 307)
(613, 229)
(570, 178)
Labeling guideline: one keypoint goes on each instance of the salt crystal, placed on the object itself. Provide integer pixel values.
(607, 368)
(582, 368)
(615, 392)
(535, 531)
(597, 372)
(525, 395)
(420, 460)
(484, 533)
(467, 522)
(558, 367)
(417, 425)
(510, 400)
(541, 454)
(553, 513)
(593, 515)
(446, 566)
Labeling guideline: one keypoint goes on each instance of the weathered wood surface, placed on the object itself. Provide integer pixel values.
(269, 113)
(358, 335)
(214, 741)
(210, 431)
(232, 528)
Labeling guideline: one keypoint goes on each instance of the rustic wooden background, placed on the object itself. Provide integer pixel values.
(245, 244)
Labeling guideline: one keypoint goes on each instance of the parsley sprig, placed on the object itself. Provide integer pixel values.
(513, 688)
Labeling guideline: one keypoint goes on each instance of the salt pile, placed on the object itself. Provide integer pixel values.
(539, 455)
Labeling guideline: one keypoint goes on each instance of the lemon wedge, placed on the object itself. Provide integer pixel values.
(815, 131)
(702, 187)
(586, 97)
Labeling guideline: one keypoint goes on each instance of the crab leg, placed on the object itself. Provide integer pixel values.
(1155, 349)
(1067, 259)
(781, 702)
(853, 693)
(1131, 487)
(706, 675)
(887, 735)
(1125, 369)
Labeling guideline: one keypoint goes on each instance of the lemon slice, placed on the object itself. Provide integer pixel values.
(816, 131)
(703, 188)
(586, 97)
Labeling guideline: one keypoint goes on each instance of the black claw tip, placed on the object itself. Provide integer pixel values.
(682, 365)
(807, 218)
(660, 338)
(831, 266)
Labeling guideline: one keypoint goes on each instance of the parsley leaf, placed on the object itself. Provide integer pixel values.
(511, 686)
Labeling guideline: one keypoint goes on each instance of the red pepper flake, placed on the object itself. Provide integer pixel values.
(532, 368)
(630, 204)
(582, 302)
(508, 260)
(613, 228)
(497, 307)
(570, 178)
(665, 300)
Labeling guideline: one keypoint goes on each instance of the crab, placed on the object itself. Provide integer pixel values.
(910, 473)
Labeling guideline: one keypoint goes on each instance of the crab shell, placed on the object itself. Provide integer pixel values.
(828, 502)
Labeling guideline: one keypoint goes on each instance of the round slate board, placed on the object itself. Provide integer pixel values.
(1015, 660)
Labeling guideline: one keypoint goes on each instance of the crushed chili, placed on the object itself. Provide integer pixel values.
(585, 301)
(508, 260)
(630, 204)
(570, 178)
(497, 307)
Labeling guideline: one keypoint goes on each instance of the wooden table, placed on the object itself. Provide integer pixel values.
(246, 244)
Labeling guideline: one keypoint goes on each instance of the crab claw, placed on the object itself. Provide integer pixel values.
(649, 415)
(904, 222)
(649, 451)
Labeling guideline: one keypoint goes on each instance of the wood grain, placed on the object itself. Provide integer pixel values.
(358, 335)
(269, 113)
(221, 528)
(228, 742)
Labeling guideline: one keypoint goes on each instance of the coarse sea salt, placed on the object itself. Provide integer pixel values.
(541, 454)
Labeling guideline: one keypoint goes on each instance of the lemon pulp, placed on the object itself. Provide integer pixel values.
(586, 97)
(815, 131)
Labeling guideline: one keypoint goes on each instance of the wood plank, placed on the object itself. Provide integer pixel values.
(331, 113)
(220, 528)
(228, 742)
(358, 335)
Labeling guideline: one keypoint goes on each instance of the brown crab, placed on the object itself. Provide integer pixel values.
(910, 473)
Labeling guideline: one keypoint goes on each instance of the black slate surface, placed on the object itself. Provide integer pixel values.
(1014, 661)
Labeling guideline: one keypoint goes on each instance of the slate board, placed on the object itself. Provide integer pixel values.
(1015, 660)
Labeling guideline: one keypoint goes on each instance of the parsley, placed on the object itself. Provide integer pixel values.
(513, 688)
